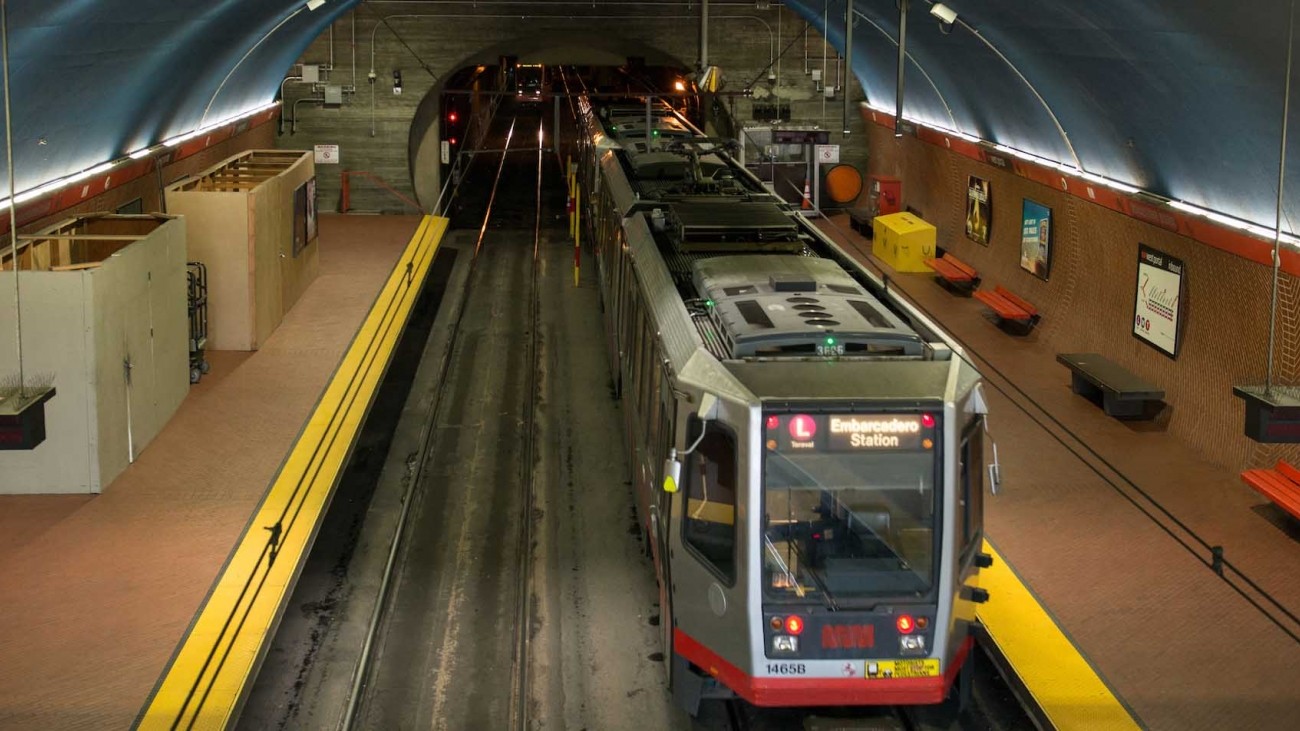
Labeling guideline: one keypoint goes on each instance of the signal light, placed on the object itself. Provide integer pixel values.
(905, 624)
(927, 421)
(773, 422)
(794, 624)
(452, 117)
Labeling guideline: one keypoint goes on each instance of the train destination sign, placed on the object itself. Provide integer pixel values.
(849, 432)
(855, 432)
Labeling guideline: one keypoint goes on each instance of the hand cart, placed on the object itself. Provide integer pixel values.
(197, 273)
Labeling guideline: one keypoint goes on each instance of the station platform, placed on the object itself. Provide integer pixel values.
(103, 596)
(1106, 603)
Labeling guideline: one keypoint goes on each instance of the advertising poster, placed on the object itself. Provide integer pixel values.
(1157, 308)
(1036, 239)
(977, 210)
(311, 211)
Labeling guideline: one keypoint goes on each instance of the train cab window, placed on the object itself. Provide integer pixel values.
(844, 519)
(972, 489)
(709, 515)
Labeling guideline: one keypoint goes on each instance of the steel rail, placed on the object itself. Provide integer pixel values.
(361, 669)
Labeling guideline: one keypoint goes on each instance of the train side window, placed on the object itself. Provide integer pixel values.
(972, 489)
(709, 515)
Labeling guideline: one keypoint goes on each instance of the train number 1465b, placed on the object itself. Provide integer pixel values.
(786, 668)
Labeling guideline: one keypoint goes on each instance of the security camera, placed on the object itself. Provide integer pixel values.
(945, 14)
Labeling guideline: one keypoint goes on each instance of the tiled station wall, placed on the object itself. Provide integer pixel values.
(1087, 302)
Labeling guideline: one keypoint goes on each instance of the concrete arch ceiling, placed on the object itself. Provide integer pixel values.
(1179, 97)
(93, 80)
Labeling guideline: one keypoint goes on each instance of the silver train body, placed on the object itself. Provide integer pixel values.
(806, 448)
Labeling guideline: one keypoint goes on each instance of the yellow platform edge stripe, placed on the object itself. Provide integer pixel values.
(1062, 682)
(201, 688)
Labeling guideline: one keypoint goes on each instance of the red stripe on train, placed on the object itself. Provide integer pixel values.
(762, 691)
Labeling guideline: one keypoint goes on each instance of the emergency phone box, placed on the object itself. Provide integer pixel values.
(904, 241)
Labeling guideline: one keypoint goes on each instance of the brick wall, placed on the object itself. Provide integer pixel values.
(1087, 303)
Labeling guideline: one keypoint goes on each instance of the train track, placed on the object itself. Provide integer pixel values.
(523, 617)
(362, 708)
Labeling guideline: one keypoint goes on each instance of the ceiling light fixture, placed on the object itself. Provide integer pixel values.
(946, 15)
(313, 4)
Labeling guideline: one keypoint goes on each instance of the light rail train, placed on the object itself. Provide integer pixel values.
(807, 449)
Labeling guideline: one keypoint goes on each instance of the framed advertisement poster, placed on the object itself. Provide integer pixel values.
(978, 211)
(311, 210)
(299, 219)
(1036, 239)
(1158, 301)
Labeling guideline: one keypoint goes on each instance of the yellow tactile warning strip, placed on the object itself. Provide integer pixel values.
(207, 678)
(1062, 682)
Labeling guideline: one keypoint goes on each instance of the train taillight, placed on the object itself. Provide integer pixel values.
(905, 624)
(773, 422)
(927, 421)
(794, 624)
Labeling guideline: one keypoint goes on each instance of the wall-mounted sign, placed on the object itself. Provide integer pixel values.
(327, 154)
(978, 210)
(1157, 304)
(1036, 239)
(828, 154)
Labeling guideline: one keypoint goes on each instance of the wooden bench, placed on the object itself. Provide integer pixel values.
(954, 273)
(1280, 484)
(1122, 394)
(1013, 312)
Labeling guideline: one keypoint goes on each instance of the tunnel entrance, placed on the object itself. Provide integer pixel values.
(453, 116)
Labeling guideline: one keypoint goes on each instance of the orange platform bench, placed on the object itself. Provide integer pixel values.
(1280, 484)
(954, 273)
(1012, 311)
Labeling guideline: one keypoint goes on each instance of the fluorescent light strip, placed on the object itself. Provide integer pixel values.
(1231, 222)
(57, 183)
(1220, 218)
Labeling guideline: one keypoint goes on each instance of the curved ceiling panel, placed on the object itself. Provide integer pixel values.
(1183, 99)
(92, 80)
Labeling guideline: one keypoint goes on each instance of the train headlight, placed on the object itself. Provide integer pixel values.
(911, 644)
(785, 643)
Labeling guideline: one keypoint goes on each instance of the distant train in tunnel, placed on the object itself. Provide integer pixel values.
(806, 448)
(530, 82)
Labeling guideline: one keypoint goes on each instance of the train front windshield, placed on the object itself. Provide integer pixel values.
(850, 506)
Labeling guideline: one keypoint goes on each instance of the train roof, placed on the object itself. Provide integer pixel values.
(774, 306)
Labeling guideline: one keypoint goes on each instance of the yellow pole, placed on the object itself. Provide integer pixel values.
(577, 232)
(573, 187)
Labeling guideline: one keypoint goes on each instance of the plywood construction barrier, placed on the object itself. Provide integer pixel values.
(105, 315)
(252, 221)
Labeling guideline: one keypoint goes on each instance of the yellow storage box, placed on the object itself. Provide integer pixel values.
(903, 241)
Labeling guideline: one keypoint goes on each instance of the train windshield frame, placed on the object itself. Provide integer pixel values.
(852, 507)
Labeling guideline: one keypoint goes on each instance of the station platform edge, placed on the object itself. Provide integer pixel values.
(210, 673)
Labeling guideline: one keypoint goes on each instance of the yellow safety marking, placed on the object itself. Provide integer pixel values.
(1062, 682)
(207, 678)
(925, 668)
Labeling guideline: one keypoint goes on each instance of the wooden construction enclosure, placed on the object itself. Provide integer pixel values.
(104, 311)
(251, 220)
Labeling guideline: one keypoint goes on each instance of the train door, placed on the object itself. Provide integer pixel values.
(706, 540)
